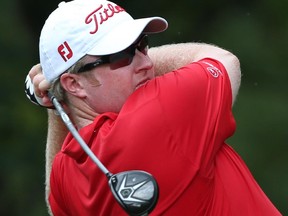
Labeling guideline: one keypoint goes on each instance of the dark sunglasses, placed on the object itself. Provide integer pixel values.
(120, 59)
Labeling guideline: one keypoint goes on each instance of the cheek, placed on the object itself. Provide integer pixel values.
(119, 82)
(122, 88)
(116, 88)
(112, 95)
(116, 83)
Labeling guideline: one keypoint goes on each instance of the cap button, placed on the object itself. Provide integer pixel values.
(61, 4)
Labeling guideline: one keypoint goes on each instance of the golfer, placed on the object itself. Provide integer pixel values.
(166, 111)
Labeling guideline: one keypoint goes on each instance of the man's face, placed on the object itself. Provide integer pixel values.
(114, 86)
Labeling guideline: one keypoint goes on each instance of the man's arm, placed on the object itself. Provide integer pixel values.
(57, 130)
(170, 57)
(56, 134)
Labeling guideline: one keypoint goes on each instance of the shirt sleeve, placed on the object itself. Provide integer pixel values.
(196, 101)
(55, 197)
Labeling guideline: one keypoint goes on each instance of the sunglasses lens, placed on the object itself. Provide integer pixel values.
(121, 59)
(125, 57)
(143, 45)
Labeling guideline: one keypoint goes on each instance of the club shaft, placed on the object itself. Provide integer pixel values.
(65, 118)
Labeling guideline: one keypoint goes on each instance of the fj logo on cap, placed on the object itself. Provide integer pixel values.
(65, 51)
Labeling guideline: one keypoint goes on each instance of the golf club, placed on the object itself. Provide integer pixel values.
(135, 190)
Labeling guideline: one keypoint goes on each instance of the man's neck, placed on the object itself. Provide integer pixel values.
(82, 115)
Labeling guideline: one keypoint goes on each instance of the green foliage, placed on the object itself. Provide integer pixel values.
(256, 31)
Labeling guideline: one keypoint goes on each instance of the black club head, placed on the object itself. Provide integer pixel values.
(136, 191)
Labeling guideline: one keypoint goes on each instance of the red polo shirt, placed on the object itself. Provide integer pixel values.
(175, 128)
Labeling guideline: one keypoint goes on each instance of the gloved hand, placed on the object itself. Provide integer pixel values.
(36, 87)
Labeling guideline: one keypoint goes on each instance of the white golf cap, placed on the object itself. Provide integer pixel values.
(93, 27)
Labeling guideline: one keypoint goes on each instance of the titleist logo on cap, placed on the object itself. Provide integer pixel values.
(102, 14)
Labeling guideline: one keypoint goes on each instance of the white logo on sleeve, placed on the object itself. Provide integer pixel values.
(214, 71)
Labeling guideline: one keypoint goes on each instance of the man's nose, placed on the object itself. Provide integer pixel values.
(143, 61)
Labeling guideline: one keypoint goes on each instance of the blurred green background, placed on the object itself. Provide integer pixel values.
(256, 31)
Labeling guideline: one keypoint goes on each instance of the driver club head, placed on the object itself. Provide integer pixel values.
(136, 191)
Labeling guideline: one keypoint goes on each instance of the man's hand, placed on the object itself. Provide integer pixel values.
(36, 87)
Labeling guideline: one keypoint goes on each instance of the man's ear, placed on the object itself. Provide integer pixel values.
(72, 84)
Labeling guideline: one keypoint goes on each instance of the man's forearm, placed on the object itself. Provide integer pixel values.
(56, 134)
(170, 57)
